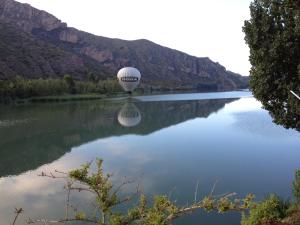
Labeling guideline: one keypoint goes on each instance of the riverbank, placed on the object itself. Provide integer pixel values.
(58, 98)
(64, 98)
(95, 96)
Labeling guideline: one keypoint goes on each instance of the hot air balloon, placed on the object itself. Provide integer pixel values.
(129, 78)
(129, 115)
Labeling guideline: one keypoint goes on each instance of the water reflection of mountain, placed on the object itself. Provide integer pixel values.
(34, 135)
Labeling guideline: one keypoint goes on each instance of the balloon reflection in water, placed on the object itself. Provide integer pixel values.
(129, 115)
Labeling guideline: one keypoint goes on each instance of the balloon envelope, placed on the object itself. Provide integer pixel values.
(129, 78)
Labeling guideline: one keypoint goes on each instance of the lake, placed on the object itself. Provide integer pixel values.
(167, 143)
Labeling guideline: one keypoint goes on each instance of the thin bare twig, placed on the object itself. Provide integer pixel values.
(213, 188)
(199, 205)
(122, 185)
(68, 187)
(130, 197)
(51, 175)
(224, 195)
(196, 192)
(171, 192)
(57, 171)
(79, 189)
(17, 212)
(30, 221)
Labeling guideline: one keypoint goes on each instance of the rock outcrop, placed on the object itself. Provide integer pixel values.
(51, 49)
(68, 36)
(28, 18)
(98, 55)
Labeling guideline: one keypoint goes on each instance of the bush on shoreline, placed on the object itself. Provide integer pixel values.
(20, 88)
(275, 211)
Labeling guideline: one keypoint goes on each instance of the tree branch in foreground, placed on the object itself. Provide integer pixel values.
(160, 211)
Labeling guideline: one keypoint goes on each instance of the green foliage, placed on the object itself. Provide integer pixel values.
(80, 216)
(273, 34)
(275, 211)
(20, 88)
(224, 205)
(296, 186)
(110, 86)
(92, 77)
(248, 201)
(99, 183)
(70, 83)
(160, 210)
(269, 211)
(208, 203)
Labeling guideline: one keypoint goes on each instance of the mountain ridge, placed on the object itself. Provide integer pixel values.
(102, 56)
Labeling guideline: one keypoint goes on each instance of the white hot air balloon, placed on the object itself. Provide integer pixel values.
(129, 78)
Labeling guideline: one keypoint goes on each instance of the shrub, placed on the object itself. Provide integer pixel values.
(267, 212)
(296, 186)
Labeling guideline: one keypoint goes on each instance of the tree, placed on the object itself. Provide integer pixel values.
(70, 83)
(273, 36)
(92, 77)
(159, 210)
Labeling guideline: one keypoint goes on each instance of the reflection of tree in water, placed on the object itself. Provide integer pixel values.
(52, 130)
(260, 123)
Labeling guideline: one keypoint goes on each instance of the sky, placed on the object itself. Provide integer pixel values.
(203, 28)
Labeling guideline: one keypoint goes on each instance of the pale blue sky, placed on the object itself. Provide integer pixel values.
(211, 28)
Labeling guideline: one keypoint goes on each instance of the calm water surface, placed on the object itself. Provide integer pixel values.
(167, 143)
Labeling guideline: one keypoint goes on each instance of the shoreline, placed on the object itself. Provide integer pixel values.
(94, 96)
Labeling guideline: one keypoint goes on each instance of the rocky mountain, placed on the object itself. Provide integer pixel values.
(34, 43)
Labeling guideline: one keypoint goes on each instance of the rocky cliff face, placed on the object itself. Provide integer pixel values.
(27, 17)
(67, 50)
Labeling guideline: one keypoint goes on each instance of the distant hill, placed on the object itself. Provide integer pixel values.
(34, 43)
